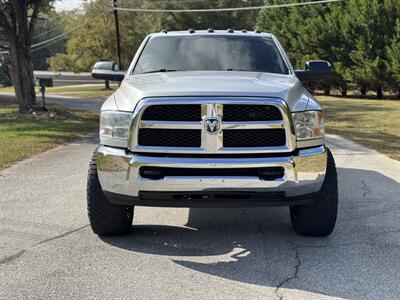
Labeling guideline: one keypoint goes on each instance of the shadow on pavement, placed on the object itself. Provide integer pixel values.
(258, 246)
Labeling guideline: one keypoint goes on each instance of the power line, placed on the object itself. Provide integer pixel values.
(65, 22)
(69, 31)
(51, 30)
(59, 37)
(47, 45)
(287, 5)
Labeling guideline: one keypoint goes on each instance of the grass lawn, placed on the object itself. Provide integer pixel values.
(372, 123)
(23, 135)
(79, 91)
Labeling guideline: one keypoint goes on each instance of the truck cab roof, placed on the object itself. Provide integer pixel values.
(191, 32)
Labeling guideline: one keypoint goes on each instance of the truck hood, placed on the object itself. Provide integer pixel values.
(210, 84)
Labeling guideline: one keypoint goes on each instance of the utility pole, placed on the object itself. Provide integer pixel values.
(117, 34)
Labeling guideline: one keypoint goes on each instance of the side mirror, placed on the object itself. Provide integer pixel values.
(107, 70)
(315, 70)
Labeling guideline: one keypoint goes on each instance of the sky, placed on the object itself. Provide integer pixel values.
(61, 5)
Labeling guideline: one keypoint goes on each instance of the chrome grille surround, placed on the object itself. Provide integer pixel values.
(212, 144)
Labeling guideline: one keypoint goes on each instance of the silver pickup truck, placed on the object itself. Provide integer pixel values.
(212, 119)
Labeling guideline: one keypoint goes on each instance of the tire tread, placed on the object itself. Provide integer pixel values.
(319, 218)
(105, 218)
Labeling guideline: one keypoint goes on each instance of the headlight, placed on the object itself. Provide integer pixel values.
(114, 128)
(309, 125)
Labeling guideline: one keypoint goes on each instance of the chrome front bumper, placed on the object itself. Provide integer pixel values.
(118, 172)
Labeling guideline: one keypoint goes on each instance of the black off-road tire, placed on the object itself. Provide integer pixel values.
(319, 218)
(105, 217)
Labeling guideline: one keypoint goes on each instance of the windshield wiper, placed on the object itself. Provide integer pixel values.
(161, 70)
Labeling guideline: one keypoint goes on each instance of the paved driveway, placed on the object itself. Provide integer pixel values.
(47, 249)
(93, 105)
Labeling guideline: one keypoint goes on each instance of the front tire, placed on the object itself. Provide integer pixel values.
(319, 218)
(105, 218)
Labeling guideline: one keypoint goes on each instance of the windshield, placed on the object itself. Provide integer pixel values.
(213, 53)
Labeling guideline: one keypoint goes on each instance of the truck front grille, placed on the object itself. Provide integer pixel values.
(254, 138)
(179, 125)
(190, 112)
(246, 113)
(169, 137)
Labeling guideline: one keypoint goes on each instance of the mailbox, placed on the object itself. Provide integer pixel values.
(45, 82)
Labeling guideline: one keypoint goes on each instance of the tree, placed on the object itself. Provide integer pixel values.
(393, 54)
(95, 40)
(306, 33)
(48, 26)
(216, 20)
(17, 22)
(370, 27)
(354, 35)
(5, 78)
(288, 25)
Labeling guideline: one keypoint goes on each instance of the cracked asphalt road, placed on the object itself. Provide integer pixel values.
(47, 249)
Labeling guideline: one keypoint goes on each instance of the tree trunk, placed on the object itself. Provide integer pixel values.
(343, 89)
(363, 90)
(379, 93)
(17, 21)
(327, 90)
(22, 75)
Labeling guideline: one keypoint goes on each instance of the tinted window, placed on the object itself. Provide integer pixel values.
(217, 53)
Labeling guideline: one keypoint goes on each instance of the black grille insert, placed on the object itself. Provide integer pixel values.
(209, 198)
(183, 113)
(169, 137)
(250, 113)
(254, 138)
(268, 173)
